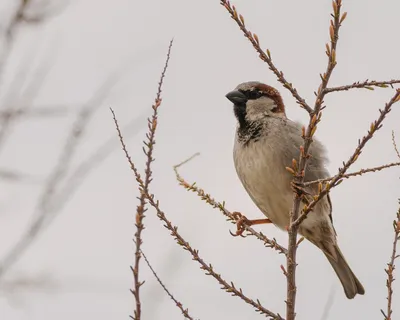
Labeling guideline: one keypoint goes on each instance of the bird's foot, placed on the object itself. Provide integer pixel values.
(242, 222)
(299, 189)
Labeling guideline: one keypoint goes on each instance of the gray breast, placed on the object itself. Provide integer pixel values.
(261, 169)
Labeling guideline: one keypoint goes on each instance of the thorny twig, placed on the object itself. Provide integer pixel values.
(363, 85)
(269, 243)
(356, 173)
(336, 180)
(228, 287)
(265, 56)
(391, 267)
(184, 311)
(149, 144)
(315, 117)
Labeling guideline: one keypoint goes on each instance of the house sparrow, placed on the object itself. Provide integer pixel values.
(266, 142)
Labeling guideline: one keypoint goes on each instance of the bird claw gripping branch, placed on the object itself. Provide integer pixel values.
(242, 222)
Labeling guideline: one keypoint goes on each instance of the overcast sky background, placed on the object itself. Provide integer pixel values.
(84, 257)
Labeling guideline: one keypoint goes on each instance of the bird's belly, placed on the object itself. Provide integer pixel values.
(267, 184)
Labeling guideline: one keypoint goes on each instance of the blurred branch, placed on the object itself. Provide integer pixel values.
(363, 85)
(230, 288)
(37, 15)
(391, 267)
(14, 176)
(43, 208)
(12, 106)
(265, 56)
(221, 206)
(36, 112)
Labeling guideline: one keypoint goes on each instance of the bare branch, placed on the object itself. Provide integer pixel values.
(356, 173)
(265, 56)
(315, 117)
(395, 145)
(375, 126)
(363, 85)
(391, 267)
(148, 151)
(184, 311)
(269, 243)
(228, 287)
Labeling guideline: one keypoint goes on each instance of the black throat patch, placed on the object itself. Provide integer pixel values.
(248, 130)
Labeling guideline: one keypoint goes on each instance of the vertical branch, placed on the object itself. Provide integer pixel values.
(299, 170)
(391, 267)
(141, 208)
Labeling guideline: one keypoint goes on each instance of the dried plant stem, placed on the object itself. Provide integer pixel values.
(269, 243)
(391, 267)
(363, 85)
(356, 173)
(184, 311)
(315, 117)
(141, 209)
(336, 180)
(265, 56)
(228, 287)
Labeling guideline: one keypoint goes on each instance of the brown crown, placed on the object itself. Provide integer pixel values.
(273, 94)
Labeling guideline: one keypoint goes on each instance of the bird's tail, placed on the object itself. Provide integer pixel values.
(350, 283)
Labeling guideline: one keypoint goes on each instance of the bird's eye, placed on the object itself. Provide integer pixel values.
(254, 94)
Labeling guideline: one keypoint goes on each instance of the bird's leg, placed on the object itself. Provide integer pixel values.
(242, 222)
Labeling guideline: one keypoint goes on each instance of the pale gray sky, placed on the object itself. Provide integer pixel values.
(86, 253)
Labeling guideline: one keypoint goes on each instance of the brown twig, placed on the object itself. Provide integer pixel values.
(337, 179)
(228, 287)
(395, 145)
(148, 151)
(391, 267)
(184, 311)
(356, 173)
(269, 243)
(363, 85)
(265, 56)
(315, 117)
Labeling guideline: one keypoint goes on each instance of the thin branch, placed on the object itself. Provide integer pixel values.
(265, 56)
(184, 311)
(375, 126)
(152, 126)
(395, 145)
(356, 173)
(315, 117)
(391, 267)
(363, 85)
(228, 287)
(269, 243)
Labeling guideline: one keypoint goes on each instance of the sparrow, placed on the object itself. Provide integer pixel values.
(266, 141)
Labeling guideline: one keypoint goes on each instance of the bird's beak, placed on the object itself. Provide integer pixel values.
(236, 97)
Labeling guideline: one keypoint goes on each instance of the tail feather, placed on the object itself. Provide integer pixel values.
(350, 283)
